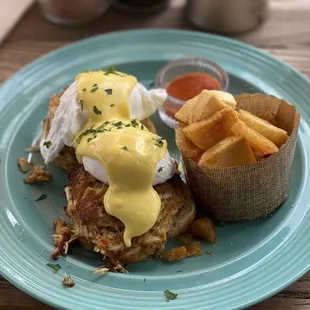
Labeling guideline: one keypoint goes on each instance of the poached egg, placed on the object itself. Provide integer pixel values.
(99, 115)
(70, 118)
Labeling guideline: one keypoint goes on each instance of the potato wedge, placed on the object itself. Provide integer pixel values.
(230, 152)
(193, 249)
(187, 148)
(189, 250)
(206, 133)
(225, 97)
(257, 141)
(258, 156)
(269, 117)
(205, 229)
(200, 107)
(175, 254)
(276, 135)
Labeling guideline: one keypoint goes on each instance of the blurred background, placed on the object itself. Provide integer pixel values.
(31, 28)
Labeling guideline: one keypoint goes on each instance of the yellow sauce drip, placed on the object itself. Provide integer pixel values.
(124, 147)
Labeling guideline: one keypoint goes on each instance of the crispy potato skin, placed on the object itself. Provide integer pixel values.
(276, 135)
(205, 229)
(188, 250)
(208, 132)
(186, 146)
(230, 152)
(200, 107)
(257, 141)
(208, 122)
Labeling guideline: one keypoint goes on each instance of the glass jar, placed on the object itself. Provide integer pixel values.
(141, 6)
(73, 12)
(181, 68)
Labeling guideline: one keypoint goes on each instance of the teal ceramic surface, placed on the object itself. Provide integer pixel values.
(251, 261)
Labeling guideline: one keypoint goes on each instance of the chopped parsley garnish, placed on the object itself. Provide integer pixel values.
(95, 85)
(42, 197)
(128, 125)
(110, 70)
(81, 102)
(96, 110)
(134, 123)
(56, 267)
(170, 296)
(112, 105)
(160, 169)
(85, 133)
(94, 89)
(47, 144)
(124, 148)
(142, 126)
(84, 90)
(159, 142)
(108, 91)
(93, 132)
(117, 124)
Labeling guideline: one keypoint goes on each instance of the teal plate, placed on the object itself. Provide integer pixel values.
(251, 261)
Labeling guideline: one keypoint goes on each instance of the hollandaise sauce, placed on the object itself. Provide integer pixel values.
(128, 152)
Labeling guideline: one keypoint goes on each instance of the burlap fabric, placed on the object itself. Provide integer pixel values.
(254, 190)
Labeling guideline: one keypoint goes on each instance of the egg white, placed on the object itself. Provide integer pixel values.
(164, 170)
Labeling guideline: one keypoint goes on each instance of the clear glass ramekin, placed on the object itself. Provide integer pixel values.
(178, 68)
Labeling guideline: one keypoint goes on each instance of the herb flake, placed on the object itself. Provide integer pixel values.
(170, 296)
(47, 144)
(108, 91)
(96, 110)
(160, 169)
(110, 70)
(94, 89)
(112, 105)
(42, 197)
(93, 131)
(81, 103)
(124, 148)
(159, 142)
(118, 124)
(84, 90)
(56, 267)
(134, 122)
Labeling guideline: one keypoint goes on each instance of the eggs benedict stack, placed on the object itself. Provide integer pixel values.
(125, 197)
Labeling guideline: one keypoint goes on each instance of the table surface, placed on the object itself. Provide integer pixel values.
(285, 34)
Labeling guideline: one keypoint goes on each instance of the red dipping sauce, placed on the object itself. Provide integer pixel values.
(186, 87)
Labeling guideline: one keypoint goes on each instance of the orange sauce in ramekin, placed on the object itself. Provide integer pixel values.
(186, 87)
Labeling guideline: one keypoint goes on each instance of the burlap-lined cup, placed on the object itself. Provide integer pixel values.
(254, 190)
